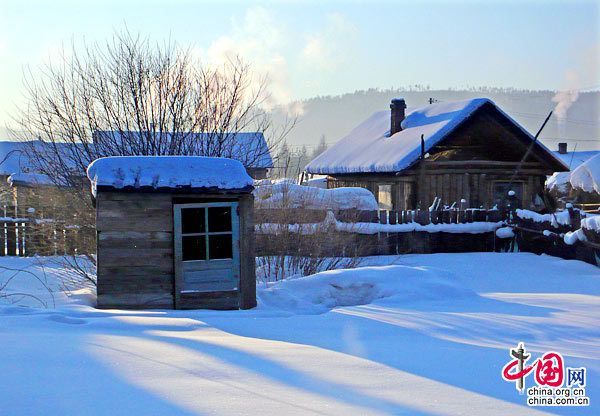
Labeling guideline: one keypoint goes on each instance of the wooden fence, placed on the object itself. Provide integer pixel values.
(423, 217)
(307, 233)
(28, 237)
(547, 237)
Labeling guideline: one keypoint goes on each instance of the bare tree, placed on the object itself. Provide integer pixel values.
(131, 97)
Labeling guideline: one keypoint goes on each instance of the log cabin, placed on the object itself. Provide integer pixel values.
(468, 152)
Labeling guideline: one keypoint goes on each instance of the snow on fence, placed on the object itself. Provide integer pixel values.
(570, 234)
(354, 232)
(422, 217)
(28, 237)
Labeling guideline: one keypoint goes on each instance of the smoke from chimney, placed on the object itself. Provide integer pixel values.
(563, 100)
(397, 115)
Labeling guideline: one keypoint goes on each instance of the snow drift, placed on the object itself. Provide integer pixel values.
(284, 194)
(324, 291)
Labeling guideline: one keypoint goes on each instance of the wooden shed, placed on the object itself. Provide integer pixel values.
(467, 150)
(173, 232)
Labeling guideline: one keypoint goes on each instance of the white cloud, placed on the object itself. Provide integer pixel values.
(261, 39)
(328, 49)
(258, 39)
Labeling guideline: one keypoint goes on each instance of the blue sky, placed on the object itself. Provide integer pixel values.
(322, 48)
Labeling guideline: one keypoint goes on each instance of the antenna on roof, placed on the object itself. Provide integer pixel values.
(432, 100)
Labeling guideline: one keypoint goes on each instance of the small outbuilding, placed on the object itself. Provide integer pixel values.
(173, 232)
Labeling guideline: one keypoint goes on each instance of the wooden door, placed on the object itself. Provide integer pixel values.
(207, 256)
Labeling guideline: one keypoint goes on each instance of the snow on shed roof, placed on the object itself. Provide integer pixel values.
(168, 172)
(574, 159)
(250, 148)
(369, 148)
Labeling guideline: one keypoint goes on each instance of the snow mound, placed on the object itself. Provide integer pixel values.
(168, 172)
(290, 195)
(318, 182)
(556, 219)
(558, 181)
(591, 223)
(324, 291)
(505, 232)
(587, 176)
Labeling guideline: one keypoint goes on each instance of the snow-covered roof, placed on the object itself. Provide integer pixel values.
(574, 159)
(14, 159)
(370, 148)
(29, 179)
(168, 172)
(250, 148)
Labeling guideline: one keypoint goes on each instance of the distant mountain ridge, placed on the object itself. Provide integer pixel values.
(335, 116)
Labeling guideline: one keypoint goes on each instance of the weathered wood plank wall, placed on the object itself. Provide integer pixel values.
(135, 250)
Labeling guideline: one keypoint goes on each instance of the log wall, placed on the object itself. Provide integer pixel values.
(419, 188)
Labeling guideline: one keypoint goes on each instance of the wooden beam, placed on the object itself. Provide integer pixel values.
(486, 163)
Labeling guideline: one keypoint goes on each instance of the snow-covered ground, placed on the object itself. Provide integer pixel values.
(415, 334)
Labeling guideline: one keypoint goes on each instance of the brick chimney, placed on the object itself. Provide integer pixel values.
(562, 148)
(398, 107)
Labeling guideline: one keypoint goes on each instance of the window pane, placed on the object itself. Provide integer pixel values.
(192, 220)
(385, 197)
(220, 246)
(193, 247)
(219, 219)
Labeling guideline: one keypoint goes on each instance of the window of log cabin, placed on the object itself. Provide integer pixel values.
(384, 196)
(501, 196)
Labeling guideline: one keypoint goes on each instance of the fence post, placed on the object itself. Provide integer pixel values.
(382, 237)
(20, 235)
(11, 239)
(393, 237)
(2, 238)
(423, 217)
(574, 217)
(445, 216)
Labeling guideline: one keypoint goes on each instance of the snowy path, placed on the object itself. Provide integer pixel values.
(438, 355)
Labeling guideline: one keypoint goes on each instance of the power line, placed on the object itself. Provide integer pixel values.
(568, 120)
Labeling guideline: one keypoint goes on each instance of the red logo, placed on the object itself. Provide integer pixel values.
(549, 368)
